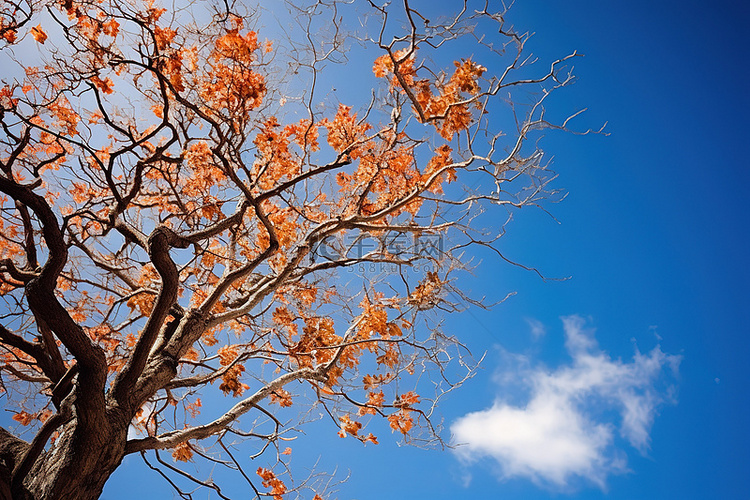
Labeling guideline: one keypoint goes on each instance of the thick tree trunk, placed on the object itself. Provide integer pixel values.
(11, 449)
(77, 465)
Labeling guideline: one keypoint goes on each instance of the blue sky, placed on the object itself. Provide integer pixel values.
(654, 233)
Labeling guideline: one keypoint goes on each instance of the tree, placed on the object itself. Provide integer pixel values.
(183, 204)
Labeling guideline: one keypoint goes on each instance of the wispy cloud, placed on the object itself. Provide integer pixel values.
(566, 428)
(537, 328)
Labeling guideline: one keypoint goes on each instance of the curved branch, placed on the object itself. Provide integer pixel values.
(162, 239)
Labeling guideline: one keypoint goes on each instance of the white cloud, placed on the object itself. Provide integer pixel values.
(537, 328)
(566, 428)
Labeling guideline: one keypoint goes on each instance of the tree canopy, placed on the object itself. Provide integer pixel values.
(187, 208)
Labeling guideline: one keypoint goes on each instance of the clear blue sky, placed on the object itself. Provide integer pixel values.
(655, 236)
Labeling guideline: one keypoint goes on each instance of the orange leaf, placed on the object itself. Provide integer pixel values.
(401, 421)
(370, 437)
(182, 452)
(282, 397)
(227, 354)
(231, 381)
(408, 399)
(24, 418)
(103, 85)
(192, 354)
(349, 426)
(278, 488)
(10, 36)
(194, 408)
(38, 33)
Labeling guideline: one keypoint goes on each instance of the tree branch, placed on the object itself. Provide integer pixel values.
(171, 439)
(162, 239)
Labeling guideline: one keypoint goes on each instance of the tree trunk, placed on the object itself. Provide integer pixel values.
(77, 464)
(11, 449)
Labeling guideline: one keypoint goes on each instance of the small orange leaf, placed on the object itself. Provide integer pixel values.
(182, 453)
(38, 33)
(408, 399)
(23, 418)
(401, 421)
(10, 36)
(103, 85)
(278, 488)
(371, 438)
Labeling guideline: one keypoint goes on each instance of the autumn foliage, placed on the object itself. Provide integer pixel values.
(180, 224)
